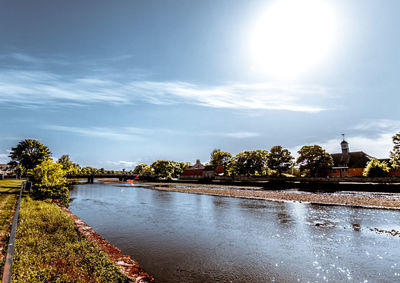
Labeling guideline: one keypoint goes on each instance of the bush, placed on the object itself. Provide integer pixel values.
(48, 181)
(375, 168)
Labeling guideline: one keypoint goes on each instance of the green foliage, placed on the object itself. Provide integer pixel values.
(250, 163)
(48, 181)
(163, 169)
(166, 169)
(90, 170)
(143, 170)
(50, 249)
(375, 168)
(395, 153)
(29, 153)
(220, 158)
(179, 167)
(279, 159)
(314, 159)
(68, 166)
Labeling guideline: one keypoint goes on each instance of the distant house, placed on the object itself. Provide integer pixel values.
(194, 172)
(5, 171)
(199, 171)
(348, 164)
(211, 171)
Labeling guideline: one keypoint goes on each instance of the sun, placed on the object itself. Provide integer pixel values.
(291, 37)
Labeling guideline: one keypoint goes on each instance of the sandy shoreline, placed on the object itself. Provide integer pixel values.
(389, 201)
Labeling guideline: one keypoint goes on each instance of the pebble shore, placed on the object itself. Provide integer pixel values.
(390, 201)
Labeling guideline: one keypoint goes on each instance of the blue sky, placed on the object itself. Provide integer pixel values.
(117, 83)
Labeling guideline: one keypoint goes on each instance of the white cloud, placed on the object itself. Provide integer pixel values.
(39, 88)
(129, 133)
(94, 132)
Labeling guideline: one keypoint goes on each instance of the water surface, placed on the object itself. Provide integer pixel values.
(180, 237)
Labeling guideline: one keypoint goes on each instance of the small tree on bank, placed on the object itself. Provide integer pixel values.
(315, 160)
(143, 169)
(68, 166)
(250, 163)
(163, 169)
(48, 181)
(220, 158)
(279, 159)
(376, 168)
(27, 154)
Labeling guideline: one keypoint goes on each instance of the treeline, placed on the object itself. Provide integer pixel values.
(33, 160)
(276, 162)
(312, 161)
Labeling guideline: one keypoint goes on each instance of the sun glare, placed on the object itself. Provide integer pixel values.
(291, 37)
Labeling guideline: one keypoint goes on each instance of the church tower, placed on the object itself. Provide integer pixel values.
(345, 146)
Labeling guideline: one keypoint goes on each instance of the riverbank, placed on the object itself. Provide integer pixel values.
(129, 267)
(49, 248)
(356, 199)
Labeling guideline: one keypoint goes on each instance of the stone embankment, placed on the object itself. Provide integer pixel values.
(128, 266)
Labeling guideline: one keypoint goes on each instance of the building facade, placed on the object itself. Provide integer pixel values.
(348, 164)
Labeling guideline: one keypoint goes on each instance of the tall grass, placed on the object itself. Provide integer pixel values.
(50, 249)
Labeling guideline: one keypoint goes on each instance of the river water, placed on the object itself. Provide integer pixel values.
(180, 237)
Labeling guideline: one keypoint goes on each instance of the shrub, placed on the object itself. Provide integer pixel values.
(375, 168)
(48, 181)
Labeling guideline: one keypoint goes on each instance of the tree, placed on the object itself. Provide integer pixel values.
(48, 181)
(250, 162)
(163, 169)
(279, 159)
(220, 158)
(143, 169)
(375, 168)
(29, 153)
(68, 166)
(89, 170)
(395, 153)
(178, 167)
(314, 159)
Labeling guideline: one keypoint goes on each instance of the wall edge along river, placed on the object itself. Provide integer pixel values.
(128, 266)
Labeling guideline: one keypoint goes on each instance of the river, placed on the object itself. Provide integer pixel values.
(180, 237)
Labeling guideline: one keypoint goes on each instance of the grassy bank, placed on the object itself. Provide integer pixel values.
(9, 190)
(50, 249)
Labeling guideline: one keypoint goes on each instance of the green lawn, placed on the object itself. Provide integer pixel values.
(50, 249)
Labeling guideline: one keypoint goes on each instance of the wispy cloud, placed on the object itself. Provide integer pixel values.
(123, 164)
(95, 132)
(242, 135)
(40, 86)
(380, 125)
(136, 133)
